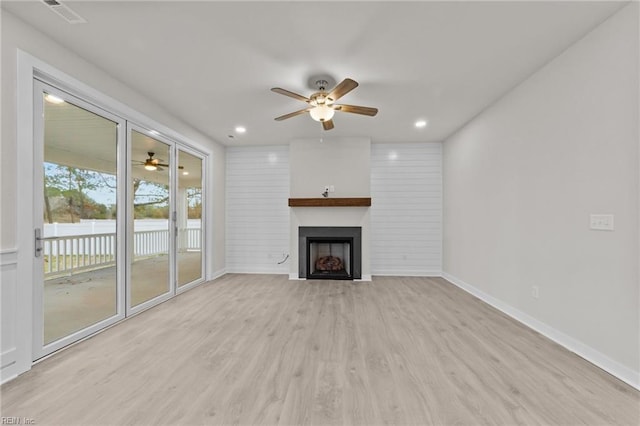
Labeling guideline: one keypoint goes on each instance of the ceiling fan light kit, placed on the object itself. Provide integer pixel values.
(322, 103)
(151, 163)
(322, 113)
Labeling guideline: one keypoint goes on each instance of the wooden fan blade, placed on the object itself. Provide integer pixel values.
(342, 89)
(327, 125)
(163, 165)
(290, 94)
(355, 109)
(292, 114)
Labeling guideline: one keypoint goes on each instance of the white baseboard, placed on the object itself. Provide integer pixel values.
(406, 273)
(217, 274)
(9, 369)
(365, 278)
(590, 354)
(8, 357)
(255, 272)
(7, 378)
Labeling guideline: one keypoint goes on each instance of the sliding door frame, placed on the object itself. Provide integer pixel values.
(171, 292)
(203, 222)
(39, 348)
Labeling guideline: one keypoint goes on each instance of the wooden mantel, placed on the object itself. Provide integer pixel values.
(330, 202)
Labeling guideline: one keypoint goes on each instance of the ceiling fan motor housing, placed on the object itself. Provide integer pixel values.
(321, 80)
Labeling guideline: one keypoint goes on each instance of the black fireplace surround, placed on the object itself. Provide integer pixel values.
(346, 239)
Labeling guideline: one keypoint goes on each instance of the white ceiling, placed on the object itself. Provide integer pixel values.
(212, 63)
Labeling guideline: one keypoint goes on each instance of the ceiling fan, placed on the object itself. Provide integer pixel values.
(322, 104)
(153, 164)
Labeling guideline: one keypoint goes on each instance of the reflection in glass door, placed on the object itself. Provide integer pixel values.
(77, 248)
(150, 221)
(189, 218)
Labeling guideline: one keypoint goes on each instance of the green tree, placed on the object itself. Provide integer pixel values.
(73, 184)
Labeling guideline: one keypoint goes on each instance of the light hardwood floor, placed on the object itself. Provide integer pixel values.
(260, 349)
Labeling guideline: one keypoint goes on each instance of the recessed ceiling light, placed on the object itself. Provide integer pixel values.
(241, 129)
(421, 123)
(185, 173)
(53, 99)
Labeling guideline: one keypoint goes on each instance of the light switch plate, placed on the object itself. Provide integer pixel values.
(601, 222)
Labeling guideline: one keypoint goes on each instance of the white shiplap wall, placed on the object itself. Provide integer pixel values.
(406, 212)
(257, 214)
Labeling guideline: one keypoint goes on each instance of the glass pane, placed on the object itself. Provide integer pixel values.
(189, 209)
(80, 164)
(150, 189)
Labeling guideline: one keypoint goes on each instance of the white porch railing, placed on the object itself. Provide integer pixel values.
(150, 243)
(75, 253)
(189, 239)
(66, 255)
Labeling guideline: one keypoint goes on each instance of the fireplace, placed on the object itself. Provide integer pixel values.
(329, 258)
(330, 252)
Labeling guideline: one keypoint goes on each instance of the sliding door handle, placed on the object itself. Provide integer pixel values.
(37, 235)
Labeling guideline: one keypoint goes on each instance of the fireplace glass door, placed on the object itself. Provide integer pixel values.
(330, 258)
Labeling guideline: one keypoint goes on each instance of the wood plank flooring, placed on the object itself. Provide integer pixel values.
(260, 349)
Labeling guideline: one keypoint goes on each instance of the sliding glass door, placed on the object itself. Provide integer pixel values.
(151, 219)
(78, 199)
(189, 218)
(118, 219)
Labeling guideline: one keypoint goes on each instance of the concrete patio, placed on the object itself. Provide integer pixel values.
(74, 302)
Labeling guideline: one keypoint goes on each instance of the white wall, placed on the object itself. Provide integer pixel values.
(18, 35)
(341, 162)
(522, 178)
(257, 214)
(344, 163)
(406, 212)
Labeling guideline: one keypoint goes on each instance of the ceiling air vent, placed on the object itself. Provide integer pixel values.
(63, 11)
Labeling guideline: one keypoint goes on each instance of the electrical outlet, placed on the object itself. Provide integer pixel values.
(326, 188)
(535, 292)
(601, 222)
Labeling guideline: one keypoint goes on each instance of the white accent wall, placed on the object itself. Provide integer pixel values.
(406, 212)
(257, 212)
(523, 177)
(345, 164)
(402, 231)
